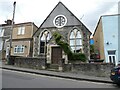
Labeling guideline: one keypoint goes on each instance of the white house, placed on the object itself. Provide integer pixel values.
(107, 38)
(1, 35)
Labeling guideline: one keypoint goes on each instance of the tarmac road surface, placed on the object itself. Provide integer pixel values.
(15, 79)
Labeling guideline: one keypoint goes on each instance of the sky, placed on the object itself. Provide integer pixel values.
(87, 11)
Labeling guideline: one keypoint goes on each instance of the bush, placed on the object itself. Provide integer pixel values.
(63, 45)
(67, 50)
(78, 57)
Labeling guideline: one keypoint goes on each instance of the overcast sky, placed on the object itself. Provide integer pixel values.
(88, 11)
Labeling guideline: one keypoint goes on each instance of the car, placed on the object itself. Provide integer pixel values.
(115, 75)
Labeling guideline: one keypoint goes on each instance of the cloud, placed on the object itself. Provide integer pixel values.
(34, 11)
(5, 9)
(91, 17)
(37, 10)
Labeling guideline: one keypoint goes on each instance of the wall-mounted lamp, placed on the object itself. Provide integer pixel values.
(107, 43)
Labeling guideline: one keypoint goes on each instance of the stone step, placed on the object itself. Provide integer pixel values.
(53, 70)
(54, 66)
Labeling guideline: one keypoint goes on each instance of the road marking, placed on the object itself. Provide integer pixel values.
(57, 77)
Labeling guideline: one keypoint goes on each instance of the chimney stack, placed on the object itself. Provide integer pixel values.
(8, 22)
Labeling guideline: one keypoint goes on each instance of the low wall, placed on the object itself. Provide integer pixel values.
(93, 69)
(30, 62)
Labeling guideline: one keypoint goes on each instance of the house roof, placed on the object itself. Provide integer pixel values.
(2, 25)
(100, 19)
(110, 15)
(97, 26)
(53, 11)
(25, 23)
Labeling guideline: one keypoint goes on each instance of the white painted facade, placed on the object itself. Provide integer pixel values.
(1, 37)
(110, 33)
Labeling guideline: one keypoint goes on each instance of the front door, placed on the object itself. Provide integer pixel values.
(112, 56)
(56, 55)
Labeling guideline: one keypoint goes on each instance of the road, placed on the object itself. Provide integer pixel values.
(15, 79)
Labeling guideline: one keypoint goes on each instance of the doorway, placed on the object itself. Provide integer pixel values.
(56, 55)
(112, 56)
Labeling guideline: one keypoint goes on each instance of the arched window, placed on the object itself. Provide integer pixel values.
(44, 39)
(76, 40)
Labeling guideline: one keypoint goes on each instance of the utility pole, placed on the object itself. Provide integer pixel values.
(12, 26)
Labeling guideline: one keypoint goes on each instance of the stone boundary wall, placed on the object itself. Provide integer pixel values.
(30, 62)
(92, 69)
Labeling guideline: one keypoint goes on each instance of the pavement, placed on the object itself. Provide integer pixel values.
(67, 75)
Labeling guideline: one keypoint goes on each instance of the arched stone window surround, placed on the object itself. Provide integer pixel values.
(44, 39)
(75, 45)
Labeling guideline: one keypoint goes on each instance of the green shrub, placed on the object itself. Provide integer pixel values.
(67, 50)
(63, 45)
(78, 57)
